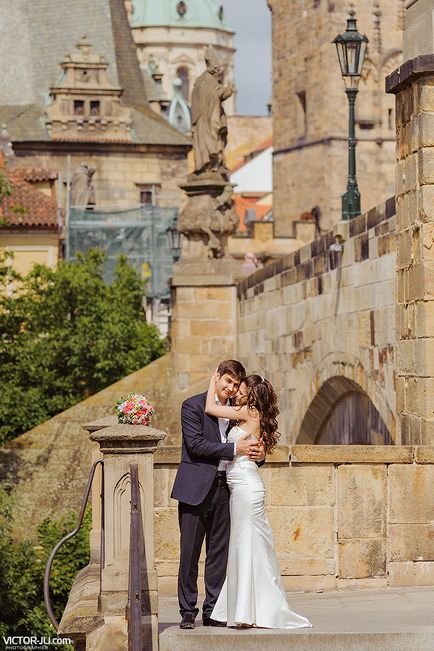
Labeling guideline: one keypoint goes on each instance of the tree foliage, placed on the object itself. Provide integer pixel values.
(22, 567)
(65, 334)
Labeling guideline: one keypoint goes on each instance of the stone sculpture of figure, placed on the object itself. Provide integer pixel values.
(208, 118)
(82, 189)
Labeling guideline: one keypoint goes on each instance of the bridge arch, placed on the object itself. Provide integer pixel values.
(342, 413)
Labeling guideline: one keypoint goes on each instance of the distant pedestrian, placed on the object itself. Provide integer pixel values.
(250, 264)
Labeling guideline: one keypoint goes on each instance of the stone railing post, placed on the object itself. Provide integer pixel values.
(120, 446)
(204, 329)
(413, 85)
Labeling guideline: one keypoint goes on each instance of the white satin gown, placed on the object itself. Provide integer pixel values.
(252, 592)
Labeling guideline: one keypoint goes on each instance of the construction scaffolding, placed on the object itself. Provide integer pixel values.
(139, 234)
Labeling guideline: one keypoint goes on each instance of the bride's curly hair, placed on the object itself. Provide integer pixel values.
(262, 397)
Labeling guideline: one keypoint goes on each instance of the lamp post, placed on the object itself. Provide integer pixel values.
(351, 48)
(175, 240)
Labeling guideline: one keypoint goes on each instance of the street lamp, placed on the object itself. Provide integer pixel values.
(351, 48)
(175, 240)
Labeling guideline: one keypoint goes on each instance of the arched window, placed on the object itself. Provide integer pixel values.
(182, 73)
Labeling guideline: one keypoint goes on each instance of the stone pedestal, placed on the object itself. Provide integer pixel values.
(204, 329)
(413, 85)
(208, 217)
(97, 613)
(122, 445)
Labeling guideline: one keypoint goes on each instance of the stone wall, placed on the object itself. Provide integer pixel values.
(310, 109)
(341, 516)
(319, 314)
(120, 174)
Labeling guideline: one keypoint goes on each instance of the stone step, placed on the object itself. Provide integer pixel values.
(214, 639)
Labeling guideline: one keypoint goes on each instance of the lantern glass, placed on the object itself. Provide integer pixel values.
(175, 240)
(351, 49)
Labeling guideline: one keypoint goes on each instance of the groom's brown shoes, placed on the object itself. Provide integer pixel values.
(187, 621)
(207, 621)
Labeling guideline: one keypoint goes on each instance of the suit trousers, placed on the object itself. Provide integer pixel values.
(209, 520)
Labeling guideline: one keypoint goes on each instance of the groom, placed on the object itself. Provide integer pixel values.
(201, 489)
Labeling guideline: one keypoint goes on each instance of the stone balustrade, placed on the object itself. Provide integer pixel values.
(342, 516)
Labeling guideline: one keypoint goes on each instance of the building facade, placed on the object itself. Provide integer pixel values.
(73, 99)
(310, 109)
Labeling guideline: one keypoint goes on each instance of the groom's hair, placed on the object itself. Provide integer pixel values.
(232, 367)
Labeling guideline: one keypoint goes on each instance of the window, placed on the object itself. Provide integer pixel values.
(95, 108)
(78, 107)
(302, 115)
(390, 120)
(183, 75)
(147, 196)
(148, 193)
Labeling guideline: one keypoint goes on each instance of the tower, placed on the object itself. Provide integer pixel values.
(174, 34)
(310, 110)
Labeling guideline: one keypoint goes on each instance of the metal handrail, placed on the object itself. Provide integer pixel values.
(67, 537)
(134, 610)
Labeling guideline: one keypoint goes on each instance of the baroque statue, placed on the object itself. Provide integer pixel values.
(208, 117)
(208, 217)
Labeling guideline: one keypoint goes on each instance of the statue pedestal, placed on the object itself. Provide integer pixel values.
(204, 329)
(208, 217)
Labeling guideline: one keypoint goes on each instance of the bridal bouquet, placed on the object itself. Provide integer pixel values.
(134, 410)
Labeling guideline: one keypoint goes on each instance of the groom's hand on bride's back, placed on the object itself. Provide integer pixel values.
(257, 452)
(254, 450)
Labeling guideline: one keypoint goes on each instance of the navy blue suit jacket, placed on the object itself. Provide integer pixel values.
(202, 450)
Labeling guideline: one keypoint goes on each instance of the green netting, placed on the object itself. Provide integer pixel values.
(139, 234)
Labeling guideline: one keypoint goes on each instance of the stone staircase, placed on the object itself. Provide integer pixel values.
(173, 639)
(397, 619)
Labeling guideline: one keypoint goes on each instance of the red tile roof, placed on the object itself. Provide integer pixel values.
(26, 207)
(35, 174)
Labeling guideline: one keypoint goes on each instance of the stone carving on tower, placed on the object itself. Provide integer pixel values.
(208, 217)
(85, 105)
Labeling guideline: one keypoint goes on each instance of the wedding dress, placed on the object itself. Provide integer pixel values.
(252, 592)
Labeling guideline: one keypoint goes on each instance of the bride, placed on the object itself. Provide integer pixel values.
(252, 594)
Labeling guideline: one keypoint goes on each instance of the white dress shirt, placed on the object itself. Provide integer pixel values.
(223, 425)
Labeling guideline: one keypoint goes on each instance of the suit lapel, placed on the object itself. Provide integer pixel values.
(214, 420)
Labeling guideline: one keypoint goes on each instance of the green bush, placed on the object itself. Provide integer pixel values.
(22, 567)
(65, 334)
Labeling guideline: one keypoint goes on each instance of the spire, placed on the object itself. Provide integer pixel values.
(179, 111)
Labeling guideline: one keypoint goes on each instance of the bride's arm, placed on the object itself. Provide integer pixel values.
(222, 411)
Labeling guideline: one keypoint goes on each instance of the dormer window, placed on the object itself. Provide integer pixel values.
(95, 107)
(91, 109)
(78, 107)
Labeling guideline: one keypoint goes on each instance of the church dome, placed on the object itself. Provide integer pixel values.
(179, 13)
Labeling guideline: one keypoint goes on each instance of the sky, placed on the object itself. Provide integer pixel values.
(251, 21)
